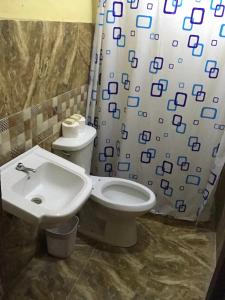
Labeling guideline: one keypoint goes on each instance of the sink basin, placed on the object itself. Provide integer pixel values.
(52, 195)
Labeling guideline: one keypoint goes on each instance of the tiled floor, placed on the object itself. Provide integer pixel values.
(171, 261)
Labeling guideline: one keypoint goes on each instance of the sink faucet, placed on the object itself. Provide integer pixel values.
(22, 168)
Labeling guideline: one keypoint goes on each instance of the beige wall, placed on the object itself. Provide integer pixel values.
(94, 10)
(51, 10)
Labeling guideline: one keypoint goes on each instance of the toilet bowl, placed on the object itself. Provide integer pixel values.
(122, 195)
(109, 215)
(117, 204)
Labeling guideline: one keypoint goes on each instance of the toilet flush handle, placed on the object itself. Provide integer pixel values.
(66, 153)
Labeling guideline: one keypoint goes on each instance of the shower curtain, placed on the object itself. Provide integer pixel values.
(157, 98)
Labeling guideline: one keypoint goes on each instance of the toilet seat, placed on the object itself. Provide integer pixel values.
(122, 194)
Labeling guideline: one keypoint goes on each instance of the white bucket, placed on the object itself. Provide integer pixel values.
(61, 240)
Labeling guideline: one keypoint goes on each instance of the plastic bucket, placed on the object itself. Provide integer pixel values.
(61, 240)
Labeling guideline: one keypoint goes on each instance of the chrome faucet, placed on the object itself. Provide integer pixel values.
(22, 168)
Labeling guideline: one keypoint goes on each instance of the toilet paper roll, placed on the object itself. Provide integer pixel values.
(76, 117)
(82, 122)
(70, 130)
(69, 121)
(79, 118)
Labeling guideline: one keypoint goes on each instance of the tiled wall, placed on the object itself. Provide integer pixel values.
(39, 124)
(44, 69)
(40, 60)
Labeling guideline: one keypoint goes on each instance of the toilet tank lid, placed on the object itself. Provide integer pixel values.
(85, 137)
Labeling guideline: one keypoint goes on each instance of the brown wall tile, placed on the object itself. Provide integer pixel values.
(40, 60)
(38, 123)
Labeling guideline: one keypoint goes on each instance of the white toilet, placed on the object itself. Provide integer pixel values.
(110, 213)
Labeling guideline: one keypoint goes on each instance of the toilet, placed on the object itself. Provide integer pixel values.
(109, 215)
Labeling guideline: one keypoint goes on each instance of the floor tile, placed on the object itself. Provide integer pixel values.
(171, 260)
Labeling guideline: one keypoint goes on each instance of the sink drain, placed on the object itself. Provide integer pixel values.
(36, 200)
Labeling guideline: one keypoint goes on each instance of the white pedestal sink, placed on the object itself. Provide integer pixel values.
(51, 195)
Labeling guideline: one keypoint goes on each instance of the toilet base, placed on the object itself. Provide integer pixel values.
(116, 228)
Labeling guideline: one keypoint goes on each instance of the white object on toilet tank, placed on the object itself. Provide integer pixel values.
(73, 125)
(70, 128)
(79, 118)
(77, 149)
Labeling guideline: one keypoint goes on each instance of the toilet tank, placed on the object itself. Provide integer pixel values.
(79, 149)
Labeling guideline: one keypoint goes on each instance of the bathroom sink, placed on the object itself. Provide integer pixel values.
(51, 194)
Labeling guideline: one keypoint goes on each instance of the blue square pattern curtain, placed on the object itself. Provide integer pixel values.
(157, 98)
